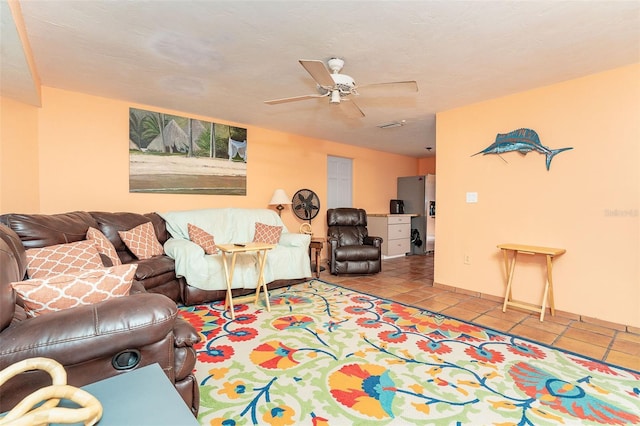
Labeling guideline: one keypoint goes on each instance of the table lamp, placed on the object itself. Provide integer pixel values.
(279, 197)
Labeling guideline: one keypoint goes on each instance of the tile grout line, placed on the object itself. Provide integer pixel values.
(608, 349)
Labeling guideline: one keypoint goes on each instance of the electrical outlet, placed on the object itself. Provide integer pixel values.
(467, 259)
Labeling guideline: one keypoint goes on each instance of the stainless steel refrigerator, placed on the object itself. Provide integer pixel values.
(419, 196)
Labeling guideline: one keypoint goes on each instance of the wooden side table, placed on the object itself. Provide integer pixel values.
(516, 249)
(316, 244)
(229, 265)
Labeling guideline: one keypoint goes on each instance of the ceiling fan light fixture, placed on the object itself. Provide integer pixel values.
(335, 97)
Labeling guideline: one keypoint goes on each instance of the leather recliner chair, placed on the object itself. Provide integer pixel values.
(92, 342)
(351, 249)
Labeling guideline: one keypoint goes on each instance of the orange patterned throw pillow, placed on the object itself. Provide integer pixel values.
(142, 241)
(267, 233)
(103, 245)
(64, 291)
(202, 238)
(62, 258)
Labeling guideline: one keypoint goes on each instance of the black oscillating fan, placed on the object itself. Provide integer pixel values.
(305, 204)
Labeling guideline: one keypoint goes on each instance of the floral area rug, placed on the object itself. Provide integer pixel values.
(326, 355)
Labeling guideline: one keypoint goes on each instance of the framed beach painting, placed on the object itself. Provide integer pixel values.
(170, 154)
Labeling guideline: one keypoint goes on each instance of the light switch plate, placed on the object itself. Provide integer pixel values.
(472, 197)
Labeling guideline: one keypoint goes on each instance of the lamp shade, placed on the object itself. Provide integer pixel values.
(280, 197)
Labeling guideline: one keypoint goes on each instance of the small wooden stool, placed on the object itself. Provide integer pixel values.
(550, 253)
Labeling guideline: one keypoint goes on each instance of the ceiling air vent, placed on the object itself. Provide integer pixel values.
(392, 124)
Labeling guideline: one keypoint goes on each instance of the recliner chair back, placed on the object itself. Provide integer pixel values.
(348, 225)
(351, 249)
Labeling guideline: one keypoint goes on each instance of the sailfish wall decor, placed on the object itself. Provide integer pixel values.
(523, 141)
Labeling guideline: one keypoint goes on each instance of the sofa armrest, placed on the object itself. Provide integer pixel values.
(137, 287)
(189, 260)
(185, 339)
(184, 333)
(76, 335)
(290, 239)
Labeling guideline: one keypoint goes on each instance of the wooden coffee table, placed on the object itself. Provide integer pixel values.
(229, 265)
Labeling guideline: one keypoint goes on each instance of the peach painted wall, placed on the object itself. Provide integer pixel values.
(84, 164)
(18, 157)
(427, 165)
(587, 203)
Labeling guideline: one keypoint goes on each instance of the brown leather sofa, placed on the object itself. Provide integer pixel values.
(351, 249)
(97, 341)
(157, 275)
(40, 230)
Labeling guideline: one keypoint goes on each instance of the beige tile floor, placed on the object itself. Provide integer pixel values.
(410, 280)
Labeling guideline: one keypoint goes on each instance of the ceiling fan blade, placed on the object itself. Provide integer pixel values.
(392, 87)
(350, 108)
(293, 99)
(318, 71)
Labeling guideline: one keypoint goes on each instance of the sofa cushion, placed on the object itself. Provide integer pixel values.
(57, 292)
(153, 267)
(103, 245)
(62, 258)
(42, 230)
(202, 238)
(228, 225)
(142, 241)
(267, 234)
(357, 253)
(109, 223)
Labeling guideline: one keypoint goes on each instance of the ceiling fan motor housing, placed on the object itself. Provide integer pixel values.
(335, 64)
(344, 85)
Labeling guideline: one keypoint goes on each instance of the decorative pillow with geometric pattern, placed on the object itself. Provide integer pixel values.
(267, 234)
(64, 291)
(202, 238)
(142, 241)
(62, 258)
(103, 245)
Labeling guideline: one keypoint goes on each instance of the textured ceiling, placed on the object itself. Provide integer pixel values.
(222, 59)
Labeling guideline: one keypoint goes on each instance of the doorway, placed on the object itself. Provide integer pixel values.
(339, 182)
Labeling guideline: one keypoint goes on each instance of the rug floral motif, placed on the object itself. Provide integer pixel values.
(327, 355)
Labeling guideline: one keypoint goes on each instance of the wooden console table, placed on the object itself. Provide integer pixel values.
(261, 249)
(516, 249)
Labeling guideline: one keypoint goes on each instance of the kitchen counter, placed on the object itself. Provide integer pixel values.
(391, 215)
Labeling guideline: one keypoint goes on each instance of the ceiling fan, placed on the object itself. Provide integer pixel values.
(338, 87)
